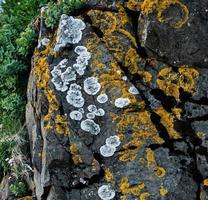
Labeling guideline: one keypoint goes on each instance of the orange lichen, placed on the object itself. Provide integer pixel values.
(142, 130)
(126, 54)
(26, 198)
(133, 5)
(177, 113)
(152, 164)
(126, 189)
(205, 182)
(132, 60)
(61, 125)
(129, 154)
(124, 197)
(109, 175)
(144, 196)
(163, 191)
(170, 82)
(149, 6)
(75, 154)
(167, 120)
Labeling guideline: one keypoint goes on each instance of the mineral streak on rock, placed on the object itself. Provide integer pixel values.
(110, 123)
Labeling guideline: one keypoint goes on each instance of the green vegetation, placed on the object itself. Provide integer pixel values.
(54, 12)
(18, 188)
(17, 37)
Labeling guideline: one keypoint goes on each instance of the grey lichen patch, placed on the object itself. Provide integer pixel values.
(90, 115)
(92, 86)
(74, 96)
(76, 115)
(43, 42)
(122, 102)
(133, 90)
(107, 151)
(82, 60)
(69, 31)
(61, 78)
(106, 192)
(102, 98)
(90, 126)
(110, 146)
(113, 141)
(94, 112)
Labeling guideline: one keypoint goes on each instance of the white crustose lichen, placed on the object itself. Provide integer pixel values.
(91, 86)
(69, 31)
(90, 126)
(122, 102)
(105, 192)
(109, 148)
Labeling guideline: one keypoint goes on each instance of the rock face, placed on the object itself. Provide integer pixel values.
(175, 31)
(106, 123)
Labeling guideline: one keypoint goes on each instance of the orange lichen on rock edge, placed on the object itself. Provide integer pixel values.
(149, 6)
(167, 120)
(75, 154)
(126, 189)
(152, 164)
(170, 82)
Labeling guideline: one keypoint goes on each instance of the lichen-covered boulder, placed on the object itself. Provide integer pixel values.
(175, 31)
(106, 123)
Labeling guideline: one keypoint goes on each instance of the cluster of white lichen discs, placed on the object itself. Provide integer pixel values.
(64, 79)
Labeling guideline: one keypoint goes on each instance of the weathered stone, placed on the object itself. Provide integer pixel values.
(175, 31)
(106, 123)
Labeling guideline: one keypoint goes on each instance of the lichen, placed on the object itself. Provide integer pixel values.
(170, 82)
(107, 150)
(205, 182)
(144, 196)
(113, 141)
(91, 85)
(76, 115)
(90, 126)
(94, 112)
(133, 90)
(105, 192)
(74, 96)
(109, 178)
(126, 189)
(149, 6)
(142, 130)
(152, 164)
(163, 191)
(69, 31)
(82, 60)
(122, 102)
(167, 120)
(75, 154)
(102, 98)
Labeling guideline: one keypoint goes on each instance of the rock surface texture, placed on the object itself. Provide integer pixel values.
(106, 119)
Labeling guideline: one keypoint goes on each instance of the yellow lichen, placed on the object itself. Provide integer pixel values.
(133, 5)
(109, 175)
(149, 6)
(170, 82)
(132, 60)
(205, 182)
(75, 154)
(152, 164)
(61, 125)
(26, 198)
(144, 196)
(126, 189)
(167, 120)
(163, 191)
